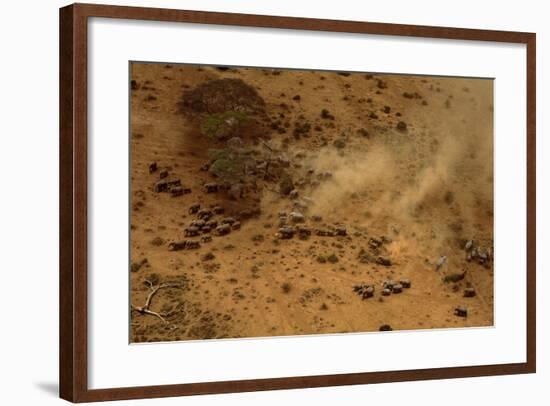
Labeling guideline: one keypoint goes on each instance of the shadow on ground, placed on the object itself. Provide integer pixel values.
(51, 388)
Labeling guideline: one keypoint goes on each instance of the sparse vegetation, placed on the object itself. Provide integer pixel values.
(402, 126)
(157, 241)
(255, 270)
(301, 129)
(332, 258)
(153, 279)
(339, 143)
(363, 132)
(325, 114)
(209, 256)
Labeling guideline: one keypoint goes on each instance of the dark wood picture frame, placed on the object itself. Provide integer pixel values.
(73, 202)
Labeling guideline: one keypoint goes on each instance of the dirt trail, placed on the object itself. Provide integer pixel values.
(422, 188)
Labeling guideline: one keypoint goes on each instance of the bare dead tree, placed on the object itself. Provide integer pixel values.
(145, 309)
(269, 158)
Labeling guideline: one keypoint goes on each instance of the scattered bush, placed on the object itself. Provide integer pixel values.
(301, 129)
(136, 266)
(363, 132)
(157, 241)
(381, 84)
(339, 144)
(209, 256)
(153, 278)
(332, 258)
(255, 270)
(286, 287)
(326, 115)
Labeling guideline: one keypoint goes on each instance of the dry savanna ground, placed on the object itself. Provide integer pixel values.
(270, 202)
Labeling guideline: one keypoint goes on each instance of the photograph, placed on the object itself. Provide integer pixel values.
(274, 203)
(268, 202)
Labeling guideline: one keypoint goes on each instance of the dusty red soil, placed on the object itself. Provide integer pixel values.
(423, 192)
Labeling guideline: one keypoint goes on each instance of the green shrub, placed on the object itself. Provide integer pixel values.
(229, 164)
(221, 126)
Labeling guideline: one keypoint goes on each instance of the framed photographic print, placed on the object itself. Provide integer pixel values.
(256, 202)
